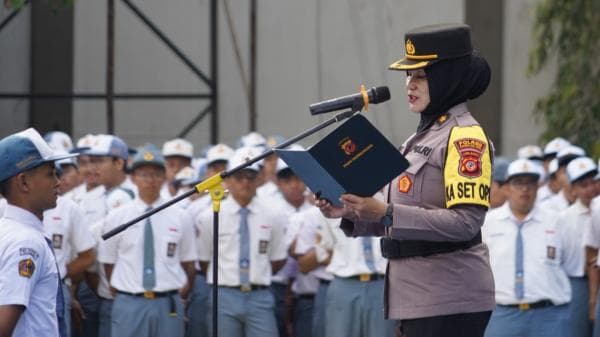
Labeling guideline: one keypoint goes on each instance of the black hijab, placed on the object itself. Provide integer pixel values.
(452, 82)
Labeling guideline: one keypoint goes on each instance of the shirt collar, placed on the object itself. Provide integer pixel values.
(506, 213)
(232, 206)
(141, 205)
(23, 216)
(580, 208)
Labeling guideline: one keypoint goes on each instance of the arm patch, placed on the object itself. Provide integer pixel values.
(468, 167)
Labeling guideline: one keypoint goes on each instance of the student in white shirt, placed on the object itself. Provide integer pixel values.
(151, 264)
(527, 254)
(31, 299)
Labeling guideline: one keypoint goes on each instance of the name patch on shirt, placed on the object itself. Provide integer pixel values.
(551, 252)
(421, 149)
(468, 167)
(29, 251)
(262, 246)
(171, 247)
(57, 241)
(26, 268)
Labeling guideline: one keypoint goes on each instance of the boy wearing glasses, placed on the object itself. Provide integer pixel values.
(251, 249)
(527, 256)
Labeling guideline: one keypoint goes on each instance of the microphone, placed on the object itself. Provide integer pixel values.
(355, 102)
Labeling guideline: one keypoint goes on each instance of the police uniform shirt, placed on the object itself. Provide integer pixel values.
(543, 256)
(174, 242)
(575, 221)
(266, 229)
(2, 206)
(28, 274)
(556, 203)
(64, 225)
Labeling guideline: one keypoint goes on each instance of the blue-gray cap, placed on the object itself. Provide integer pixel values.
(499, 169)
(148, 154)
(26, 150)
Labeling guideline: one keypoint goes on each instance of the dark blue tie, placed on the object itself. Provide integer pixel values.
(244, 248)
(60, 300)
(519, 272)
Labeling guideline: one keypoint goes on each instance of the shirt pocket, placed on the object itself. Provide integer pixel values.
(410, 182)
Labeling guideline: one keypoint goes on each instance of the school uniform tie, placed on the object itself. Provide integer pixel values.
(149, 277)
(367, 245)
(244, 248)
(60, 300)
(519, 272)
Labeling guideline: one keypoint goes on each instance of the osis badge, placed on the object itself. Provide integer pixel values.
(26, 268)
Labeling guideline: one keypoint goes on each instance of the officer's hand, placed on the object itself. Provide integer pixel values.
(333, 212)
(366, 209)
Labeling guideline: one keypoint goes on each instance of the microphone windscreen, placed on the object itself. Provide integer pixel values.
(379, 94)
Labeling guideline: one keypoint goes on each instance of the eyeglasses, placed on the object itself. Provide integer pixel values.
(245, 174)
(523, 184)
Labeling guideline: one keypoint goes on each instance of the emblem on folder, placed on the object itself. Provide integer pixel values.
(470, 151)
(348, 146)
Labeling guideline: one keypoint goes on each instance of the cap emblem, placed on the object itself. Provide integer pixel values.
(148, 156)
(410, 47)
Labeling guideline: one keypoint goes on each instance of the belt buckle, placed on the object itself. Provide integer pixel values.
(364, 277)
(149, 295)
(524, 306)
(245, 288)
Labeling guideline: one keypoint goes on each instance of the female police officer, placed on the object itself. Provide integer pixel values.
(439, 280)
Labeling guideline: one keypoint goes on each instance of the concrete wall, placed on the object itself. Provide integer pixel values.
(14, 70)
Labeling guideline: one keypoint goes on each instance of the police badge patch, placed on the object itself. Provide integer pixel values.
(171, 247)
(26, 268)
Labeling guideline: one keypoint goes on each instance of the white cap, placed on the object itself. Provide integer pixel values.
(242, 155)
(59, 141)
(187, 176)
(85, 141)
(219, 152)
(530, 152)
(108, 145)
(178, 147)
(569, 152)
(553, 166)
(580, 167)
(252, 139)
(522, 167)
(555, 145)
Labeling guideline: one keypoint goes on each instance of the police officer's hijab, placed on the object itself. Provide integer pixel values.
(455, 73)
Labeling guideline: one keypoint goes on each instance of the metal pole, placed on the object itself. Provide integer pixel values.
(214, 70)
(252, 65)
(110, 66)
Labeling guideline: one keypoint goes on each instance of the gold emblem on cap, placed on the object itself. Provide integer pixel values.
(525, 167)
(410, 48)
(148, 156)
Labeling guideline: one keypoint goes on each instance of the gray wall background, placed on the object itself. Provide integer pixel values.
(307, 51)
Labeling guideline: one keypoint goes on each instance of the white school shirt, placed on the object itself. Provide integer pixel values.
(543, 256)
(2, 206)
(266, 228)
(544, 193)
(64, 225)
(575, 221)
(174, 242)
(269, 190)
(556, 203)
(28, 273)
(348, 258)
(93, 203)
(592, 235)
(303, 228)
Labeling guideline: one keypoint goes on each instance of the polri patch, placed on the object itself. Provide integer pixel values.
(26, 268)
(171, 248)
(470, 150)
(262, 246)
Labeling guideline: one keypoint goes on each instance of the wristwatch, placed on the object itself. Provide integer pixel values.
(388, 219)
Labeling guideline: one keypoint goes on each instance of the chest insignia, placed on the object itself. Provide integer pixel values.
(404, 184)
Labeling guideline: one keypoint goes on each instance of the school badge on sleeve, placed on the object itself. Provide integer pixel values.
(26, 268)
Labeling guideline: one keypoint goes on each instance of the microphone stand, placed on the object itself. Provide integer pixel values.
(213, 186)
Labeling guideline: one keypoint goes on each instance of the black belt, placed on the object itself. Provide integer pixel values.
(305, 296)
(247, 288)
(401, 249)
(150, 294)
(200, 272)
(528, 306)
(324, 281)
(365, 277)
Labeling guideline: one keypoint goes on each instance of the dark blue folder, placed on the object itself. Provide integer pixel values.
(355, 158)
